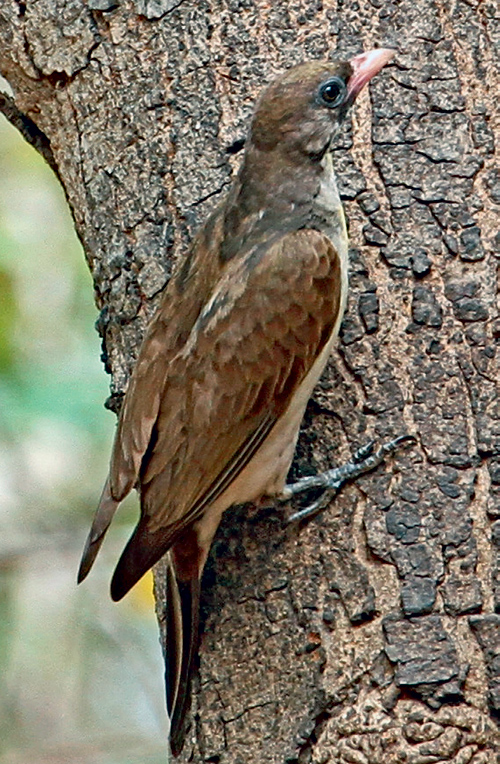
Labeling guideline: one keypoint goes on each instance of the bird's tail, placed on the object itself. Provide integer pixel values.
(102, 520)
(181, 645)
(184, 564)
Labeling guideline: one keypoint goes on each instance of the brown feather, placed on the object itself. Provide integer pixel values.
(103, 517)
(167, 333)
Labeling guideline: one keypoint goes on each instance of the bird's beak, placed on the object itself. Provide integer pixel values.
(364, 67)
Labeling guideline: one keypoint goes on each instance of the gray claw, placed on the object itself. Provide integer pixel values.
(363, 451)
(363, 460)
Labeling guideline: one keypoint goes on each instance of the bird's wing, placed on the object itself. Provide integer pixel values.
(249, 350)
(188, 291)
(180, 305)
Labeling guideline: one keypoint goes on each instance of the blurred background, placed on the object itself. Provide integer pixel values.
(81, 678)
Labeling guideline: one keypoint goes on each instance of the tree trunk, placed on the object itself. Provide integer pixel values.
(348, 639)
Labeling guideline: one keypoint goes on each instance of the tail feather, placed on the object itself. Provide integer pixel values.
(184, 565)
(143, 550)
(173, 636)
(185, 599)
(102, 520)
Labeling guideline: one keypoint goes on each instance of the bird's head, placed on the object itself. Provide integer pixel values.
(301, 111)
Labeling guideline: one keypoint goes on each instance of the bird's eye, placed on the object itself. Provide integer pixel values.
(332, 92)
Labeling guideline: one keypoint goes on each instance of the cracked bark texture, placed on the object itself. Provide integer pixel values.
(373, 633)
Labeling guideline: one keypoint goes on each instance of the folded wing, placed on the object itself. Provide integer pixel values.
(249, 350)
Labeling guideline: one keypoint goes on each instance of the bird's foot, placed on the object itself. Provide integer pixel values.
(364, 459)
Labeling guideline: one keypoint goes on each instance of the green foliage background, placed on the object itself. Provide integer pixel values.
(80, 677)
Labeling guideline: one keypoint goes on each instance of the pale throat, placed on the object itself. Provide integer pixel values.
(328, 198)
(327, 205)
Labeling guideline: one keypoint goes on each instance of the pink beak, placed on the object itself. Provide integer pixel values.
(365, 66)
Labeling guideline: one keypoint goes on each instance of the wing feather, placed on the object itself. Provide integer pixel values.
(237, 373)
(167, 333)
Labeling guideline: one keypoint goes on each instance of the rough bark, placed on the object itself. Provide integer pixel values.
(346, 640)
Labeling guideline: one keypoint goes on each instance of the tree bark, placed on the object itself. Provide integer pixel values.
(348, 639)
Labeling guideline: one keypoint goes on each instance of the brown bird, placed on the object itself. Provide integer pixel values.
(241, 335)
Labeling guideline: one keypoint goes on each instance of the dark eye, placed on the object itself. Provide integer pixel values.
(332, 92)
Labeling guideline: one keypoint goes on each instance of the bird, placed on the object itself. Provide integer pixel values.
(242, 332)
